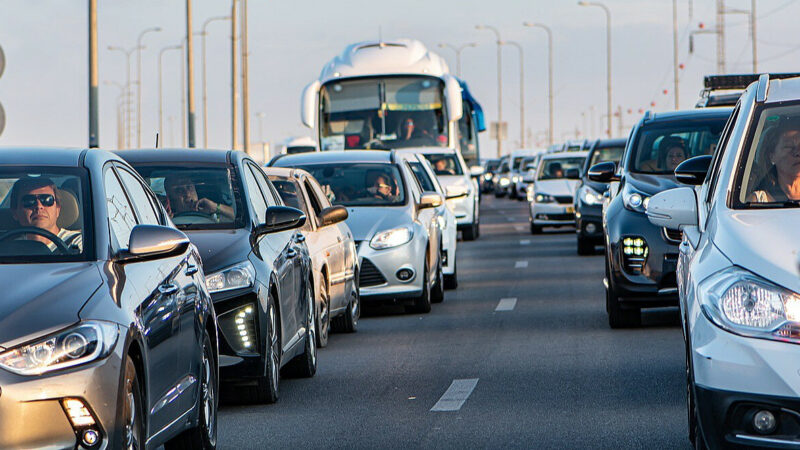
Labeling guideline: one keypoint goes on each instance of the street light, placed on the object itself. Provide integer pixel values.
(608, 54)
(205, 84)
(499, 84)
(121, 103)
(139, 48)
(160, 88)
(457, 50)
(549, 74)
(94, 140)
(521, 92)
(261, 116)
(128, 54)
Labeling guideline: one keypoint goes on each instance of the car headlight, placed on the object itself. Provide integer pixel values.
(590, 196)
(391, 238)
(487, 176)
(544, 198)
(515, 179)
(234, 277)
(504, 181)
(442, 222)
(746, 304)
(635, 201)
(83, 343)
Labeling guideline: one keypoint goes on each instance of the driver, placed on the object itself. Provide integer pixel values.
(182, 197)
(35, 203)
(383, 188)
(442, 168)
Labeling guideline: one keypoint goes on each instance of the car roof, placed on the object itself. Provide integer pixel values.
(676, 116)
(41, 156)
(327, 157)
(605, 143)
(172, 155)
(559, 155)
(426, 150)
(781, 90)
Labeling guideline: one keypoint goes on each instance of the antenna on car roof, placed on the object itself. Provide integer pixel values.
(156, 139)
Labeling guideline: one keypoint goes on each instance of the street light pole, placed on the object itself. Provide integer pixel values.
(458, 51)
(261, 116)
(550, 138)
(139, 48)
(94, 140)
(521, 92)
(245, 81)
(499, 85)
(234, 78)
(120, 103)
(128, 54)
(608, 57)
(160, 91)
(205, 73)
(674, 54)
(190, 74)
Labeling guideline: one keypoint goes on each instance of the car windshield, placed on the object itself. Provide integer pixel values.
(660, 149)
(360, 184)
(289, 192)
(197, 197)
(556, 169)
(606, 154)
(530, 160)
(445, 164)
(383, 113)
(492, 165)
(771, 170)
(44, 215)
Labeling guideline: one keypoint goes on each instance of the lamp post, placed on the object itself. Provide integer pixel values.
(94, 140)
(205, 73)
(457, 50)
(190, 74)
(121, 100)
(261, 116)
(160, 89)
(549, 32)
(234, 76)
(499, 85)
(139, 48)
(608, 56)
(128, 54)
(521, 92)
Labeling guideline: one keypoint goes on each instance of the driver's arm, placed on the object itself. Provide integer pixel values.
(210, 207)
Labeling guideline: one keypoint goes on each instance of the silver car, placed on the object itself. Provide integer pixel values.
(398, 239)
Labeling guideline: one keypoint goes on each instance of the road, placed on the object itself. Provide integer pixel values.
(550, 373)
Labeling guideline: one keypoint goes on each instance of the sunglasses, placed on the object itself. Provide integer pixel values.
(29, 200)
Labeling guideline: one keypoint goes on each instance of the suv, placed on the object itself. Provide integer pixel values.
(502, 177)
(641, 258)
(590, 194)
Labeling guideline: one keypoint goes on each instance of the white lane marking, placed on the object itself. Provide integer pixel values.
(455, 396)
(519, 228)
(506, 304)
(525, 242)
(509, 218)
(521, 264)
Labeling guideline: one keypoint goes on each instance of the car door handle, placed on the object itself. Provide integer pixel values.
(191, 269)
(168, 289)
(300, 238)
(291, 253)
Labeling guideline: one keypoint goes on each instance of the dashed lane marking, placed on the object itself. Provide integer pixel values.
(506, 304)
(525, 242)
(521, 264)
(455, 396)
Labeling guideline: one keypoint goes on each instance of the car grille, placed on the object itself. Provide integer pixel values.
(674, 236)
(569, 216)
(370, 275)
(564, 199)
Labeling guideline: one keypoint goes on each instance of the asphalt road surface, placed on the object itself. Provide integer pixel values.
(519, 356)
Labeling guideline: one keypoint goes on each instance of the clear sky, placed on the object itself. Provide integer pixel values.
(44, 88)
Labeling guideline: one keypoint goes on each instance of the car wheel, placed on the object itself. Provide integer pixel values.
(323, 315)
(348, 322)
(305, 365)
(132, 412)
(617, 316)
(451, 281)
(204, 435)
(437, 293)
(585, 246)
(267, 387)
(423, 303)
(535, 229)
(470, 233)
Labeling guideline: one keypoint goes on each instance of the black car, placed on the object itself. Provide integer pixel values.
(257, 264)
(640, 257)
(108, 337)
(489, 168)
(590, 195)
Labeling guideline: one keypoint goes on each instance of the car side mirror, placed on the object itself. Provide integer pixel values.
(673, 208)
(476, 171)
(430, 200)
(604, 172)
(693, 171)
(281, 218)
(573, 174)
(154, 241)
(456, 192)
(333, 214)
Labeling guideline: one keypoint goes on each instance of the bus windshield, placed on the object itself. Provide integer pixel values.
(383, 113)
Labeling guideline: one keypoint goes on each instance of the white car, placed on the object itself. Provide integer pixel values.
(455, 177)
(737, 274)
(551, 195)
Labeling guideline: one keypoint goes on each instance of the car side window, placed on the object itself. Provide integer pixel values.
(716, 162)
(121, 218)
(255, 195)
(319, 193)
(141, 200)
(272, 197)
(312, 198)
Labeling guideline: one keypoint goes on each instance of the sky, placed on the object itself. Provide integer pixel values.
(45, 84)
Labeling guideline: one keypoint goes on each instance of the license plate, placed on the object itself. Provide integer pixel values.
(570, 209)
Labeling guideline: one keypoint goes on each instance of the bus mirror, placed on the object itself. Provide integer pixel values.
(453, 93)
(308, 107)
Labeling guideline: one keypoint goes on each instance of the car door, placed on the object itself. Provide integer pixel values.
(146, 287)
(332, 241)
(425, 216)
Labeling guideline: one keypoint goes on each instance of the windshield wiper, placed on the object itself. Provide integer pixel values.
(783, 204)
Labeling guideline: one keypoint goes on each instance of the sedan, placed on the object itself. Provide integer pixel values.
(551, 195)
(108, 337)
(259, 271)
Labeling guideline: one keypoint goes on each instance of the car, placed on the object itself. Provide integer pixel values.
(453, 175)
(640, 258)
(517, 171)
(428, 181)
(527, 175)
(489, 167)
(399, 247)
(551, 194)
(334, 259)
(502, 178)
(257, 263)
(590, 195)
(738, 274)
(108, 337)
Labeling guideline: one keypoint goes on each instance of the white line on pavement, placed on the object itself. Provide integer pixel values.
(525, 242)
(521, 264)
(506, 304)
(519, 228)
(455, 396)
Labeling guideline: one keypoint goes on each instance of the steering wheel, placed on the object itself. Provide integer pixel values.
(207, 218)
(59, 243)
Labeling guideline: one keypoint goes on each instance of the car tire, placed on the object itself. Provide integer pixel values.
(451, 281)
(267, 386)
(470, 233)
(422, 304)
(585, 246)
(348, 322)
(498, 194)
(305, 365)
(204, 435)
(535, 229)
(323, 315)
(617, 316)
(132, 408)
(437, 292)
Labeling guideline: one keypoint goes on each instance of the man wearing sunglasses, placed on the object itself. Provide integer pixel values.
(35, 203)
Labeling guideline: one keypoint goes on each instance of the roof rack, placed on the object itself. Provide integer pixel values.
(738, 81)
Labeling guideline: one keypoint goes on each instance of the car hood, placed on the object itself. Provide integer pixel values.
(364, 222)
(650, 184)
(453, 180)
(764, 242)
(220, 248)
(556, 187)
(41, 298)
